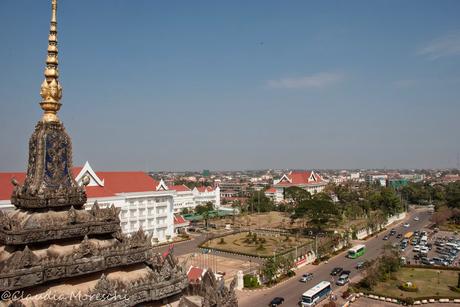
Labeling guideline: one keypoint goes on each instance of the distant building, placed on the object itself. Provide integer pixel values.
(204, 195)
(307, 180)
(377, 178)
(397, 183)
(186, 198)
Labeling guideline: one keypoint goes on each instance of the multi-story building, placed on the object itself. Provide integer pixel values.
(377, 178)
(204, 195)
(307, 180)
(144, 202)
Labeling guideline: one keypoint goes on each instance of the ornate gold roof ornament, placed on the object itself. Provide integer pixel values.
(51, 90)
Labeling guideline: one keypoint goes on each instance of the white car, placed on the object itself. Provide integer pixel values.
(416, 248)
(424, 250)
(406, 225)
(416, 218)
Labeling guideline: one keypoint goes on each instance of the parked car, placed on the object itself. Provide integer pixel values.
(424, 250)
(406, 225)
(386, 237)
(343, 279)
(399, 236)
(416, 218)
(276, 301)
(439, 261)
(336, 271)
(416, 248)
(306, 277)
(392, 232)
(427, 261)
(403, 260)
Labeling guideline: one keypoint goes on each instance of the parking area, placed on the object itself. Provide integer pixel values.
(430, 247)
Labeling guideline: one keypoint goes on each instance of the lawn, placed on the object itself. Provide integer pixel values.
(450, 227)
(263, 245)
(430, 283)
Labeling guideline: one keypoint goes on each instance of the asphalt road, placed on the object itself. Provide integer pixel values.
(293, 289)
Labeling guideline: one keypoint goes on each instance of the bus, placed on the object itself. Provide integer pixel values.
(408, 235)
(356, 251)
(316, 294)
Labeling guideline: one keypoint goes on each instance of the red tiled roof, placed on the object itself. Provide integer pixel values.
(179, 188)
(300, 178)
(271, 190)
(97, 191)
(204, 189)
(6, 187)
(127, 182)
(179, 219)
(76, 170)
(194, 274)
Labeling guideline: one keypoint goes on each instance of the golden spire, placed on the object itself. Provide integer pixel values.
(51, 90)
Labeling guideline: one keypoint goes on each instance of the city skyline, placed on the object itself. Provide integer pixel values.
(156, 86)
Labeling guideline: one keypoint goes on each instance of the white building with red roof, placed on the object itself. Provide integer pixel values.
(204, 195)
(144, 202)
(307, 180)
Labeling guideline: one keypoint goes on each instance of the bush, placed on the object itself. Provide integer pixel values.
(222, 241)
(408, 287)
(290, 273)
(250, 281)
(408, 300)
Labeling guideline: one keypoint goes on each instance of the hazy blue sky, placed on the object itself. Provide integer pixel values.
(178, 85)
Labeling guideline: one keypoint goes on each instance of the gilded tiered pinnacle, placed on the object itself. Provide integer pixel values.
(51, 90)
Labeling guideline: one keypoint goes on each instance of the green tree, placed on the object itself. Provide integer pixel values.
(453, 194)
(270, 269)
(259, 202)
(295, 195)
(204, 211)
(319, 212)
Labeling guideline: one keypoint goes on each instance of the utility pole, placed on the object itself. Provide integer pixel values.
(316, 246)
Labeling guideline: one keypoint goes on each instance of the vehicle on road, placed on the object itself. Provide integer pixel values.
(406, 225)
(361, 265)
(343, 279)
(306, 277)
(276, 301)
(336, 271)
(356, 251)
(345, 272)
(316, 294)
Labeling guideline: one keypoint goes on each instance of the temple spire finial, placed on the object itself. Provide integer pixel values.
(51, 90)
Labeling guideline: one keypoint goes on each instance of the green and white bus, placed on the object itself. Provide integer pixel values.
(356, 251)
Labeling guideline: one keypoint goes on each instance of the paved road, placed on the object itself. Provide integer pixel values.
(293, 289)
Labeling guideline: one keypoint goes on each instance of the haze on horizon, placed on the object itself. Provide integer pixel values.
(173, 85)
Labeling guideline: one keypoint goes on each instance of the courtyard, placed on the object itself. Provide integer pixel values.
(256, 244)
